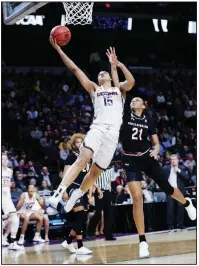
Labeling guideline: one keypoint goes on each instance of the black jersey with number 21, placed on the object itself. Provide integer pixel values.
(136, 133)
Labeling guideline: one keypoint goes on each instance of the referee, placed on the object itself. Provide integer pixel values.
(103, 184)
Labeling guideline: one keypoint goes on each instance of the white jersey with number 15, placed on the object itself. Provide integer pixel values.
(108, 107)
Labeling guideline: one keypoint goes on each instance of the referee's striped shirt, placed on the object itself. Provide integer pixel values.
(105, 179)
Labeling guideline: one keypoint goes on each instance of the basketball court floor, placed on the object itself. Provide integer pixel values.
(165, 248)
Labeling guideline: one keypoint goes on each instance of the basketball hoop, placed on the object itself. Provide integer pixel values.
(78, 13)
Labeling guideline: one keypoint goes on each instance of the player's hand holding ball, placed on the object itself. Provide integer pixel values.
(59, 36)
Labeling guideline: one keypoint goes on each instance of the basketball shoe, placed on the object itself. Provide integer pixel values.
(144, 252)
(70, 247)
(4, 242)
(83, 251)
(74, 197)
(191, 210)
(14, 246)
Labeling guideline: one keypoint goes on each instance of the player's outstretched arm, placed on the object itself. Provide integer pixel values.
(128, 84)
(84, 80)
(111, 57)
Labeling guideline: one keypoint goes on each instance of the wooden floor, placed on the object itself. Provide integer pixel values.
(165, 248)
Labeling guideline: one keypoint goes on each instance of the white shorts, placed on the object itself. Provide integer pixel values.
(102, 141)
(26, 213)
(7, 203)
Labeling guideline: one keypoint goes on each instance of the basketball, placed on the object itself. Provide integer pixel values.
(62, 35)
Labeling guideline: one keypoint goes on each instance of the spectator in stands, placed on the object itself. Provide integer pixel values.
(31, 170)
(177, 177)
(36, 133)
(160, 98)
(121, 179)
(33, 114)
(122, 196)
(15, 192)
(46, 141)
(190, 162)
(45, 188)
(64, 152)
(20, 182)
(45, 175)
(21, 168)
(12, 160)
(148, 196)
(33, 182)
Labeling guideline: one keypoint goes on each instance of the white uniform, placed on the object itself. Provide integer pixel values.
(103, 135)
(29, 205)
(7, 203)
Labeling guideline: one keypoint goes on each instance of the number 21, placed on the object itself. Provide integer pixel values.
(135, 132)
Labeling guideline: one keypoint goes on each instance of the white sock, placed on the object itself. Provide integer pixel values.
(59, 192)
(37, 234)
(79, 192)
(13, 236)
(22, 236)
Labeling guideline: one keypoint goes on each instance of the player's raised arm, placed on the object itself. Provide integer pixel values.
(20, 202)
(128, 84)
(111, 56)
(84, 80)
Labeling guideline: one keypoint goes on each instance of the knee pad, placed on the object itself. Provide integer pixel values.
(79, 220)
(14, 222)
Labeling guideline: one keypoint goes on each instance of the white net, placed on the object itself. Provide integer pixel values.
(78, 13)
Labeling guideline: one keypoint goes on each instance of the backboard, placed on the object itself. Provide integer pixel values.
(14, 11)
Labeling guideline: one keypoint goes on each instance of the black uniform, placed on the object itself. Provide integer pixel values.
(83, 201)
(136, 142)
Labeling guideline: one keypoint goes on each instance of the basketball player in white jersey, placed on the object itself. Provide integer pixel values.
(101, 141)
(7, 203)
(26, 210)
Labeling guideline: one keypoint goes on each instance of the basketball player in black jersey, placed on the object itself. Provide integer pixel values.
(81, 204)
(141, 146)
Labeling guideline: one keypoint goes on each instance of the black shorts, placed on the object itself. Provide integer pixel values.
(134, 165)
(83, 201)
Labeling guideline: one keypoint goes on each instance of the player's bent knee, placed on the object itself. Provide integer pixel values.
(82, 161)
(137, 198)
(95, 171)
(26, 220)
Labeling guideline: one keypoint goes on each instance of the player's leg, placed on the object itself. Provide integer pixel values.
(133, 166)
(39, 219)
(88, 181)
(91, 145)
(155, 171)
(135, 188)
(46, 226)
(6, 228)
(8, 207)
(25, 221)
(102, 159)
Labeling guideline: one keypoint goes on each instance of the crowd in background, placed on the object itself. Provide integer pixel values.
(41, 111)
